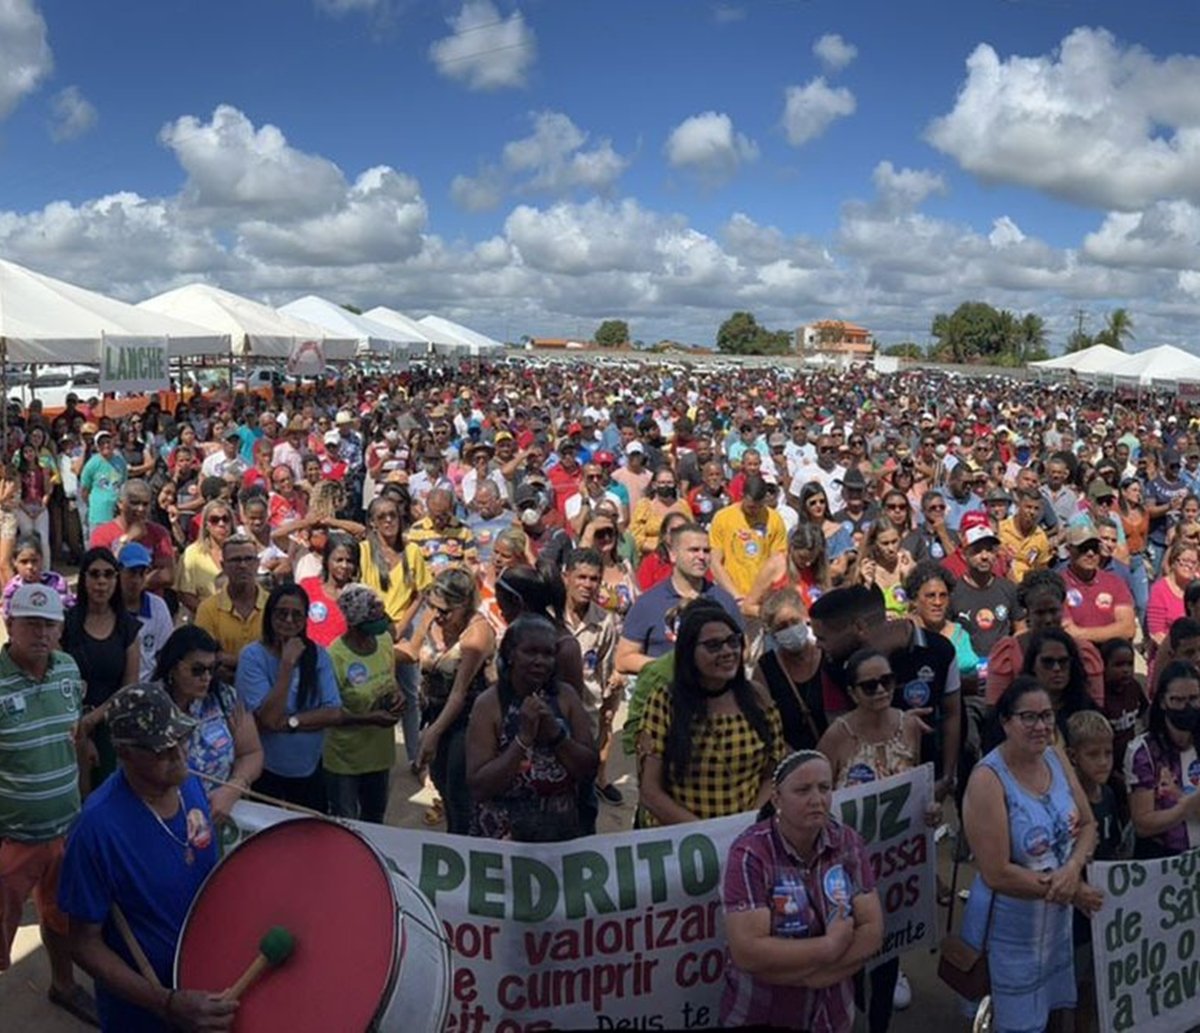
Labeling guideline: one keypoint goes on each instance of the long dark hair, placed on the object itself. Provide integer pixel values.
(539, 590)
(308, 692)
(187, 638)
(103, 554)
(375, 542)
(1156, 722)
(1075, 696)
(339, 540)
(687, 699)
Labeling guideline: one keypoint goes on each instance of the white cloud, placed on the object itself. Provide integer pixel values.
(708, 145)
(808, 110)
(485, 51)
(550, 160)
(73, 114)
(903, 190)
(834, 52)
(246, 172)
(25, 58)
(1005, 233)
(1095, 123)
(1166, 235)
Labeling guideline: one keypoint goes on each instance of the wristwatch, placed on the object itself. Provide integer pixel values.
(293, 723)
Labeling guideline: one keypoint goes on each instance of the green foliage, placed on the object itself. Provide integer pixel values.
(977, 332)
(612, 333)
(905, 350)
(352, 308)
(1117, 327)
(741, 334)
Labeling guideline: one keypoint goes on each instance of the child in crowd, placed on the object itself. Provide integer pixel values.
(1090, 748)
(28, 561)
(1124, 698)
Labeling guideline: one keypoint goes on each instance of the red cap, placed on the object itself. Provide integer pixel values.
(975, 518)
(604, 458)
(575, 428)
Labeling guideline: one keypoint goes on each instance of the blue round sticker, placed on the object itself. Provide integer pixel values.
(1037, 841)
(936, 551)
(1074, 597)
(837, 886)
(317, 612)
(356, 673)
(917, 694)
(860, 774)
(590, 659)
(1193, 773)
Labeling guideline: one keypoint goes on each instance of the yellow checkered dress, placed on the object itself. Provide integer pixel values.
(729, 761)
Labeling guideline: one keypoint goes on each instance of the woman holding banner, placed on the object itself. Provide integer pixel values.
(1031, 829)
(1161, 767)
(802, 916)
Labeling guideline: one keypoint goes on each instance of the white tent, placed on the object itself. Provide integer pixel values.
(480, 344)
(257, 329)
(1164, 364)
(371, 334)
(443, 343)
(47, 320)
(1099, 358)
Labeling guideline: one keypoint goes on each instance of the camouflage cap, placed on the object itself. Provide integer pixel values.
(142, 714)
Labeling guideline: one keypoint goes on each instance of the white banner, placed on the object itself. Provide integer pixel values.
(1147, 961)
(625, 930)
(133, 364)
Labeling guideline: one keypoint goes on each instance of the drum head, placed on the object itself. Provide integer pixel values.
(330, 889)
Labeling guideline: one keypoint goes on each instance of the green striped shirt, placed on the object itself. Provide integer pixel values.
(39, 776)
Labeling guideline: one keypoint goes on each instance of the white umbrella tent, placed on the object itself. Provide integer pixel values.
(1099, 358)
(477, 343)
(375, 337)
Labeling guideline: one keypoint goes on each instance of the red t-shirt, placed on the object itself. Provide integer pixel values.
(325, 620)
(565, 485)
(281, 510)
(156, 538)
(1091, 604)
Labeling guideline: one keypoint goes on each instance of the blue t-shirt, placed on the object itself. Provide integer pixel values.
(118, 853)
(102, 479)
(654, 618)
(290, 754)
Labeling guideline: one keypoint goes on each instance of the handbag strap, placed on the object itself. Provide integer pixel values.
(987, 926)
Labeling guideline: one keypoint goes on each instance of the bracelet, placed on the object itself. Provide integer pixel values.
(520, 742)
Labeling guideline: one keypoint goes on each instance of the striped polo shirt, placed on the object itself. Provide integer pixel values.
(39, 777)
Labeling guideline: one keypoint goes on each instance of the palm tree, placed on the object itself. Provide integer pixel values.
(1032, 332)
(1117, 327)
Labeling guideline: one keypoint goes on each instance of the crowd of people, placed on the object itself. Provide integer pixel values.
(786, 582)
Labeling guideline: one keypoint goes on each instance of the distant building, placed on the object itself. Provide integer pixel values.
(835, 339)
(559, 343)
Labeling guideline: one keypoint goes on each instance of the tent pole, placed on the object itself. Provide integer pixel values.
(4, 380)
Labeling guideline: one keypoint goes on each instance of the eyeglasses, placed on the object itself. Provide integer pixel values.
(1089, 546)
(593, 477)
(289, 614)
(386, 516)
(715, 646)
(937, 507)
(1187, 564)
(218, 518)
(1032, 718)
(874, 686)
(101, 573)
(202, 670)
(897, 505)
(1055, 663)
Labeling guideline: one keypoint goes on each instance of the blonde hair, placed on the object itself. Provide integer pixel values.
(1088, 726)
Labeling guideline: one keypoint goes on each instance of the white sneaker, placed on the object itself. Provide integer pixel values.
(902, 995)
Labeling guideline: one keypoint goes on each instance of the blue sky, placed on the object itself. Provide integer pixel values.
(537, 167)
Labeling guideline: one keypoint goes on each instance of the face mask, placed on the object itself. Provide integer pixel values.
(376, 627)
(530, 517)
(1185, 720)
(665, 492)
(794, 638)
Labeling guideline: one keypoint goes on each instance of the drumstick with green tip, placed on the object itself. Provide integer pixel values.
(273, 950)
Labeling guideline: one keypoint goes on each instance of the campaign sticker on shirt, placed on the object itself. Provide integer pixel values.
(837, 886)
(356, 673)
(815, 593)
(1037, 841)
(936, 551)
(485, 536)
(985, 620)
(752, 548)
(199, 831)
(860, 774)
(1104, 601)
(1001, 612)
(590, 660)
(1074, 597)
(317, 612)
(13, 705)
(1193, 774)
(900, 595)
(917, 693)
(706, 506)
(789, 899)
(925, 672)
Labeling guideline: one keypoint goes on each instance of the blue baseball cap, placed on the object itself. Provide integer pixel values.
(134, 554)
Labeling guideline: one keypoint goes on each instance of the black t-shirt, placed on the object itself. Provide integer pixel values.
(801, 709)
(101, 661)
(988, 613)
(923, 544)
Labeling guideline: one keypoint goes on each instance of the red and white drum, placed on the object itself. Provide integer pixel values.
(369, 948)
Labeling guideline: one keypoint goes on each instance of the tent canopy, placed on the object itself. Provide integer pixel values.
(403, 324)
(480, 344)
(1099, 358)
(257, 330)
(1164, 363)
(47, 320)
(370, 334)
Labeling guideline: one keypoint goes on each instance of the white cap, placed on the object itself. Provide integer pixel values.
(332, 437)
(343, 417)
(635, 446)
(36, 601)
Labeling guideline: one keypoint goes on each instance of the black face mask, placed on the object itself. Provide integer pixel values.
(1185, 720)
(665, 493)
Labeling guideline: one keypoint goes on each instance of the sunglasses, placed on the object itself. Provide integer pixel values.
(294, 616)
(605, 533)
(202, 670)
(101, 573)
(1055, 663)
(218, 519)
(1092, 546)
(897, 506)
(874, 686)
(715, 646)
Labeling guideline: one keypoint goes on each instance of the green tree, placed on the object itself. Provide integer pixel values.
(1079, 340)
(1032, 336)
(741, 334)
(352, 308)
(973, 332)
(612, 333)
(905, 350)
(1117, 327)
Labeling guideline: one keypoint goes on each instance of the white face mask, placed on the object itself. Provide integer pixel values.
(794, 638)
(529, 517)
